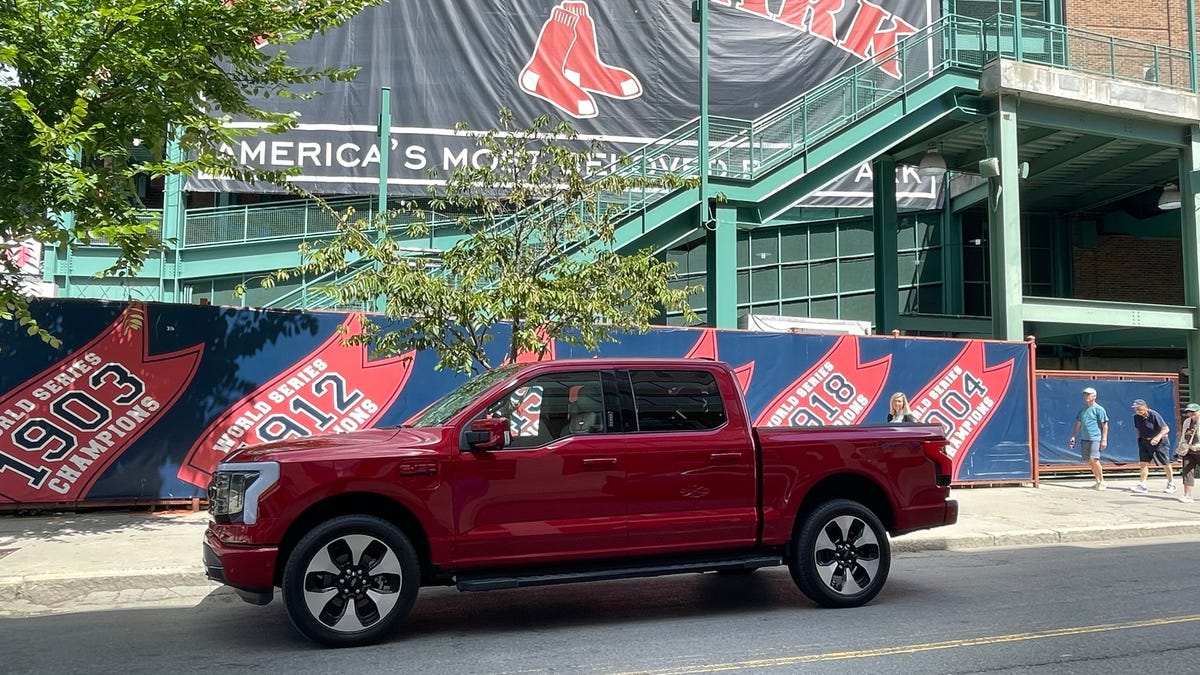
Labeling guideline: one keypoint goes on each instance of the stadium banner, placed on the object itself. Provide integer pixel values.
(1060, 400)
(622, 71)
(143, 400)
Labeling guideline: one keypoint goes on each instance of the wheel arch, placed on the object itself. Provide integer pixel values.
(847, 486)
(364, 503)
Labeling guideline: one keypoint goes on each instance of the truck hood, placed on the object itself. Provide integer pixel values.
(357, 444)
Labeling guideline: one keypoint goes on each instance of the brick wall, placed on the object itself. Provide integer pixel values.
(1160, 22)
(1130, 269)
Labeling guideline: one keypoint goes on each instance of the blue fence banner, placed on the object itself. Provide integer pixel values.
(1060, 399)
(142, 401)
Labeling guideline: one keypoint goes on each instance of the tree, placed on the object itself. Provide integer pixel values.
(537, 253)
(85, 82)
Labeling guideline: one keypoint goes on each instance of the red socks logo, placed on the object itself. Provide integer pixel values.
(566, 65)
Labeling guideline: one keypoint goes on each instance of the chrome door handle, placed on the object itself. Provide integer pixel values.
(600, 461)
(725, 457)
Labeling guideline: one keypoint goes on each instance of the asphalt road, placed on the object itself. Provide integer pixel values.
(1098, 608)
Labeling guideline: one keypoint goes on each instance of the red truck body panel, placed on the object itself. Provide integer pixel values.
(593, 496)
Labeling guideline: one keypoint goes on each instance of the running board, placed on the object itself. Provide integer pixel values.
(492, 582)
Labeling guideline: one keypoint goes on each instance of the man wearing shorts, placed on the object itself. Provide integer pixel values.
(1091, 425)
(1152, 433)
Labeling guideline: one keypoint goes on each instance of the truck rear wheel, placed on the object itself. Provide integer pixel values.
(840, 555)
(351, 581)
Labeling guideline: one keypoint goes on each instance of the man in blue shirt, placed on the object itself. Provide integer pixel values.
(1152, 433)
(1093, 420)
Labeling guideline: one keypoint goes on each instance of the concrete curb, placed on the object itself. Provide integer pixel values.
(48, 593)
(1067, 535)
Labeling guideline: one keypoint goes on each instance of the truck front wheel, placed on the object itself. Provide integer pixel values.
(840, 555)
(351, 581)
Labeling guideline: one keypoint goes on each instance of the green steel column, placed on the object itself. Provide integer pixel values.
(385, 147)
(173, 218)
(884, 225)
(1004, 224)
(952, 254)
(1189, 213)
(700, 14)
(1191, 26)
(721, 286)
(385, 144)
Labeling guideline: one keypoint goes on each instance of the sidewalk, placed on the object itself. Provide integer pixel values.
(67, 561)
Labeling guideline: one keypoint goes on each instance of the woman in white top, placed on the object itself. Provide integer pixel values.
(899, 412)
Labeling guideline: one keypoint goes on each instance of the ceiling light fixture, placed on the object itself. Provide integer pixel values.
(1170, 199)
(932, 164)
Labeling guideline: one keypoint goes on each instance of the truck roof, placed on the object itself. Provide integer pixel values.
(625, 362)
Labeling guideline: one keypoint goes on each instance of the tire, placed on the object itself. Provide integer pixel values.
(840, 555)
(351, 581)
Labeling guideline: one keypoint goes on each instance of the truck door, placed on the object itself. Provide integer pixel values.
(691, 470)
(557, 490)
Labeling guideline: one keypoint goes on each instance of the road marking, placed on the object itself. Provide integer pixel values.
(913, 649)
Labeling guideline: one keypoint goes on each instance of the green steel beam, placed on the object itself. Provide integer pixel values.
(883, 224)
(1097, 123)
(1189, 184)
(952, 259)
(1097, 313)
(1004, 224)
(970, 198)
(944, 323)
(721, 286)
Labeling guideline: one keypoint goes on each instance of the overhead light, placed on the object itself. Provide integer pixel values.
(1170, 199)
(932, 164)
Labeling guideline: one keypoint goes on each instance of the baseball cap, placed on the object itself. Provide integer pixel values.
(1137, 402)
(1089, 390)
(1193, 407)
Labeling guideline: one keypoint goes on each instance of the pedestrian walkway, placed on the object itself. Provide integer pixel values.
(64, 561)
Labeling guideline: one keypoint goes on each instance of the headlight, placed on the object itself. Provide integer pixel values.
(235, 488)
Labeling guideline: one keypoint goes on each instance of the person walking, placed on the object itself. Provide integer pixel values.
(1152, 433)
(1189, 450)
(898, 411)
(1092, 423)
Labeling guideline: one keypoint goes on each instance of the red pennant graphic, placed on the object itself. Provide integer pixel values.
(331, 390)
(962, 398)
(706, 348)
(836, 390)
(62, 428)
(534, 357)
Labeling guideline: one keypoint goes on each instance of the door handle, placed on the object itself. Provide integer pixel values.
(725, 457)
(599, 462)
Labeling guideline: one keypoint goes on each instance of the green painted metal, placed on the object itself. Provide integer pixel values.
(1191, 30)
(1189, 186)
(1004, 224)
(945, 323)
(700, 10)
(1140, 129)
(1095, 313)
(721, 286)
(886, 249)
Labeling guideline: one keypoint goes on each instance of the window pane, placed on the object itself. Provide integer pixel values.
(764, 284)
(676, 400)
(857, 275)
(553, 406)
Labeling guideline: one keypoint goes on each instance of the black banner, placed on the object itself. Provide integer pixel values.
(626, 71)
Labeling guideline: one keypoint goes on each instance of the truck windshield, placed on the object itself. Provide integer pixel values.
(440, 412)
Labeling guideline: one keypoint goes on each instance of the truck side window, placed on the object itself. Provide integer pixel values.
(676, 400)
(551, 407)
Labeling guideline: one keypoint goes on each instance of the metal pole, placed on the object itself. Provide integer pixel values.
(385, 137)
(1191, 24)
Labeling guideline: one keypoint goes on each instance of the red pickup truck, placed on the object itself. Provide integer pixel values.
(562, 471)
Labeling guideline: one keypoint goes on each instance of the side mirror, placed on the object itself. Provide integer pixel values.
(488, 433)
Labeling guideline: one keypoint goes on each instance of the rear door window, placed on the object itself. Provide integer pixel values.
(676, 400)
